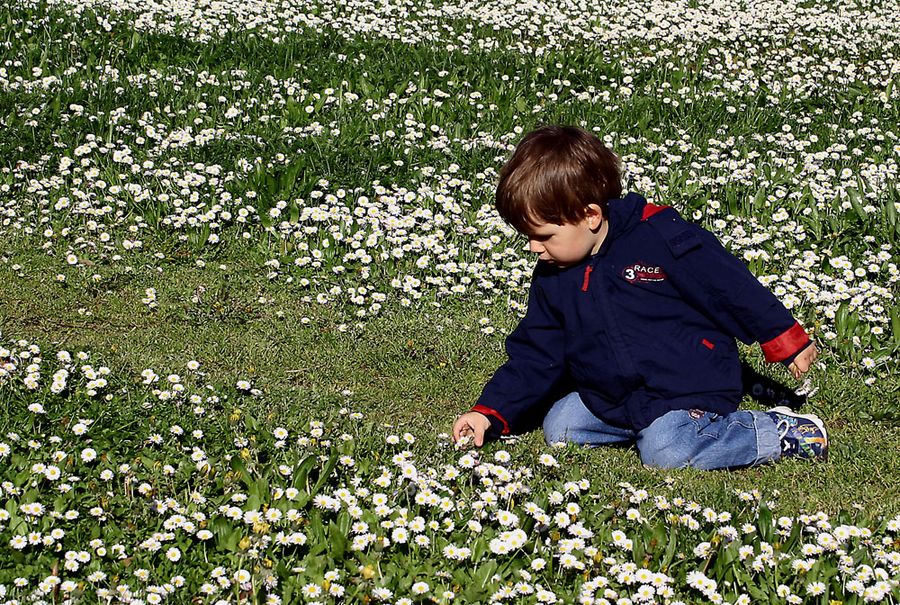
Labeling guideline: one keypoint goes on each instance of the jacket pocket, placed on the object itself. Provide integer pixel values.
(719, 354)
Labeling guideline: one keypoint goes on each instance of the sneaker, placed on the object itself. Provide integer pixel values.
(802, 435)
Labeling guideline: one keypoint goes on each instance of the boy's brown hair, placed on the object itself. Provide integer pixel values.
(553, 175)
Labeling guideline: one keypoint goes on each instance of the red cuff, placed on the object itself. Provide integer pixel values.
(785, 344)
(489, 412)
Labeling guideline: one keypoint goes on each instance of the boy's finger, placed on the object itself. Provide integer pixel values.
(458, 429)
(479, 438)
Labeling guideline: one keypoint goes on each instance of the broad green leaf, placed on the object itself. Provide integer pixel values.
(856, 203)
(337, 540)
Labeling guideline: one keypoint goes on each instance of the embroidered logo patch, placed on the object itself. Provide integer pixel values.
(643, 273)
(697, 414)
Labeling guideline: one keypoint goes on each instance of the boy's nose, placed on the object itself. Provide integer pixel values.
(535, 246)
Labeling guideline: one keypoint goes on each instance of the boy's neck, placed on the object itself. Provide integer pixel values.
(601, 236)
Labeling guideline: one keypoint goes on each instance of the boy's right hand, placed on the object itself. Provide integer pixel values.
(804, 361)
(471, 424)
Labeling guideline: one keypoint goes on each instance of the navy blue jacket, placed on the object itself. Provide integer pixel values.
(644, 326)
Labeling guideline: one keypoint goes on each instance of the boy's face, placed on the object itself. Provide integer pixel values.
(570, 243)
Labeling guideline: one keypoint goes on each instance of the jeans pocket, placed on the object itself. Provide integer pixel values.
(703, 423)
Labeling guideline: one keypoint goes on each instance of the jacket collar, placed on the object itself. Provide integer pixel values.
(623, 215)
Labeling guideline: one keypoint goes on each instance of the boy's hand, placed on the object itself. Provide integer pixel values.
(803, 361)
(471, 424)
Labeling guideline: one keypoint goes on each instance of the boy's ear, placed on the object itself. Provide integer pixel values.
(594, 216)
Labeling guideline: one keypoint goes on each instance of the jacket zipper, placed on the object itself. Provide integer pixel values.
(587, 278)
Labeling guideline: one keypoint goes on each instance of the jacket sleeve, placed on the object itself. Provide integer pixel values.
(722, 287)
(515, 398)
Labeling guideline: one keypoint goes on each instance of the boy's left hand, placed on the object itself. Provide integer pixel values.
(803, 361)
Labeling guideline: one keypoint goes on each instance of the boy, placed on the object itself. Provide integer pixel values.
(629, 336)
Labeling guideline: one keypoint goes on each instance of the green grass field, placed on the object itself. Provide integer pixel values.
(268, 227)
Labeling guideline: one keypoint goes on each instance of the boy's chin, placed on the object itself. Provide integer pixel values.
(558, 264)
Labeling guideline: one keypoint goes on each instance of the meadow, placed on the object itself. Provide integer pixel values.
(250, 273)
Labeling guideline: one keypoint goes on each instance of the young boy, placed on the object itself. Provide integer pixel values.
(629, 336)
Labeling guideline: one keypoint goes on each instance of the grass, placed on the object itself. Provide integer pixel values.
(416, 371)
(729, 142)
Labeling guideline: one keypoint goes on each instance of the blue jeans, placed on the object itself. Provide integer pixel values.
(677, 439)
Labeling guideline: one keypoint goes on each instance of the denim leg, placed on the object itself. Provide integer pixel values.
(708, 441)
(570, 421)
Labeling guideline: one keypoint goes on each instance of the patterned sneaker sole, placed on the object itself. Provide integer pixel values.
(786, 411)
